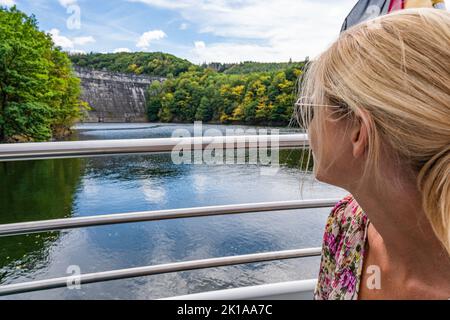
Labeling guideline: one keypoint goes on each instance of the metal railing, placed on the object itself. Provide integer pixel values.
(291, 290)
(75, 149)
(158, 269)
(51, 150)
(89, 221)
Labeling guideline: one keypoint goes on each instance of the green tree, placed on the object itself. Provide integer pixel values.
(167, 105)
(212, 96)
(148, 63)
(38, 92)
(154, 100)
(64, 94)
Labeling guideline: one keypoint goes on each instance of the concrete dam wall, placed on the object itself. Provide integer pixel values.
(114, 97)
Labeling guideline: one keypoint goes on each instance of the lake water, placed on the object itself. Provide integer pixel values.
(49, 189)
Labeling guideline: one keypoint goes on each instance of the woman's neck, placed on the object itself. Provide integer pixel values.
(395, 210)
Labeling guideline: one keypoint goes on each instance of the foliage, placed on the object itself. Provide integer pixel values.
(252, 67)
(247, 92)
(211, 96)
(148, 63)
(39, 95)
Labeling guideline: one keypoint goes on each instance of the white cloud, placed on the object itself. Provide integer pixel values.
(148, 37)
(7, 3)
(60, 40)
(83, 40)
(234, 52)
(69, 43)
(183, 26)
(261, 29)
(118, 50)
(77, 51)
(199, 45)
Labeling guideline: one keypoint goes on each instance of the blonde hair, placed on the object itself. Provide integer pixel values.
(394, 73)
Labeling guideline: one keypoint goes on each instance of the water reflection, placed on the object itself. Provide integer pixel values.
(61, 188)
(29, 191)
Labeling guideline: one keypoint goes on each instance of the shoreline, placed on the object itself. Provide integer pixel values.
(146, 125)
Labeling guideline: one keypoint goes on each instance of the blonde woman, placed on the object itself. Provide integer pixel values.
(377, 108)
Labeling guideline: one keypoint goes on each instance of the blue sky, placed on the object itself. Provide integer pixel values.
(198, 30)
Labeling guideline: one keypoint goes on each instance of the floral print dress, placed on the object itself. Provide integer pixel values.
(344, 246)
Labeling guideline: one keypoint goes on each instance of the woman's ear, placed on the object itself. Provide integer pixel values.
(360, 135)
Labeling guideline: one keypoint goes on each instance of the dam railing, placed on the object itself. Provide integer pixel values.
(73, 149)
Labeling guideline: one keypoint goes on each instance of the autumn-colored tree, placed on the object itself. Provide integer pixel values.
(212, 96)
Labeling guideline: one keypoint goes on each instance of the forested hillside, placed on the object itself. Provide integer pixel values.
(210, 96)
(247, 92)
(148, 63)
(252, 67)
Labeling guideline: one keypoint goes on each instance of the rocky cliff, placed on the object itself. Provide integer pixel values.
(114, 97)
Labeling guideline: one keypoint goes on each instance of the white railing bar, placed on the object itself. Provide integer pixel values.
(291, 290)
(76, 149)
(89, 221)
(157, 269)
